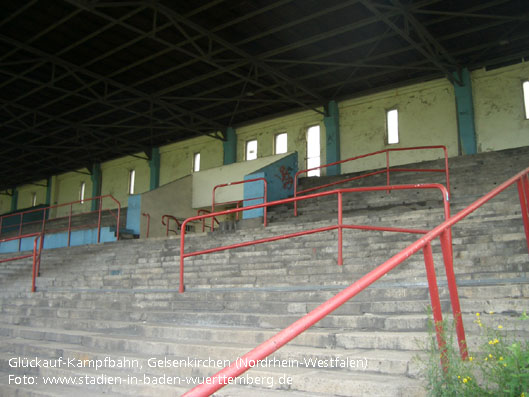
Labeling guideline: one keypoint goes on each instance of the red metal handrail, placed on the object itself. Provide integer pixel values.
(148, 222)
(240, 365)
(35, 254)
(340, 226)
(387, 170)
(165, 221)
(70, 217)
(204, 211)
(238, 202)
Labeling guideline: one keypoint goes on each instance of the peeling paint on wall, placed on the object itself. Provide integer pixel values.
(498, 108)
(427, 116)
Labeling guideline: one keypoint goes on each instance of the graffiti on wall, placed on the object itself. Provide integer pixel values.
(286, 177)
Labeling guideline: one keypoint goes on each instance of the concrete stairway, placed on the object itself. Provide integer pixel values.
(117, 304)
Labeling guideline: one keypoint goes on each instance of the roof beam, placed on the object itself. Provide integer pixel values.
(99, 78)
(427, 38)
(418, 47)
(202, 56)
(17, 12)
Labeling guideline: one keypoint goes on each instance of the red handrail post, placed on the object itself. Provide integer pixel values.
(340, 229)
(213, 206)
(41, 247)
(265, 200)
(148, 223)
(522, 187)
(181, 287)
(447, 172)
(446, 246)
(387, 169)
(34, 264)
(436, 302)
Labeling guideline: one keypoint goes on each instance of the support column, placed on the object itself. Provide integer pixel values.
(14, 200)
(49, 188)
(230, 146)
(332, 136)
(154, 165)
(96, 185)
(465, 114)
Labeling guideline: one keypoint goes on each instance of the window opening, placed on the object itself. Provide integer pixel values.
(392, 125)
(280, 143)
(196, 162)
(251, 150)
(132, 180)
(313, 150)
(525, 86)
(82, 191)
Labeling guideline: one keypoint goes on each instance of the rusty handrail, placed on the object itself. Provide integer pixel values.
(165, 221)
(204, 211)
(387, 170)
(239, 202)
(148, 222)
(240, 365)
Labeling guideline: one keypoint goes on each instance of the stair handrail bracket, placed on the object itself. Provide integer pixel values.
(387, 170)
(223, 377)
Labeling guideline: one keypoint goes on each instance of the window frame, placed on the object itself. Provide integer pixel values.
(276, 136)
(525, 98)
(132, 181)
(246, 149)
(195, 162)
(82, 192)
(318, 171)
(388, 122)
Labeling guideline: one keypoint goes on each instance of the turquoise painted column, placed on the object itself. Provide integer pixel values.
(230, 146)
(14, 200)
(465, 114)
(48, 191)
(154, 165)
(332, 137)
(96, 185)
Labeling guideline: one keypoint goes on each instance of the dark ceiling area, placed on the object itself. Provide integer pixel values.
(85, 81)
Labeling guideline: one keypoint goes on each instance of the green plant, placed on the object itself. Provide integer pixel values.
(499, 368)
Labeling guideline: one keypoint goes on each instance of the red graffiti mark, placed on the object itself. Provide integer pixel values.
(286, 177)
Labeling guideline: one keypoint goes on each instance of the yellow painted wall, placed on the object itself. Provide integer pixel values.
(176, 160)
(427, 116)
(115, 178)
(5, 203)
(67, 189)
(25, 194)
(294, 125)
(498, 108)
